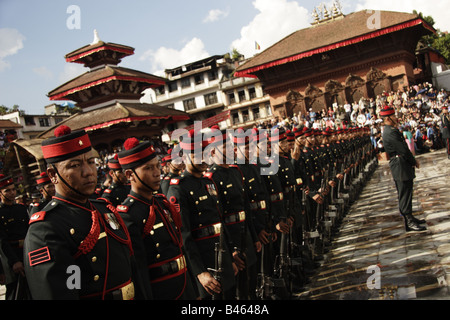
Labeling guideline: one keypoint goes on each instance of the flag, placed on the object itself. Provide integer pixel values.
(257, 46)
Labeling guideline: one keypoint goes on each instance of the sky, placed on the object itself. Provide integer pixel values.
(36, 35)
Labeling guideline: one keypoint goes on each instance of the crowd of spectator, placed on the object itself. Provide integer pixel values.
(418, 110)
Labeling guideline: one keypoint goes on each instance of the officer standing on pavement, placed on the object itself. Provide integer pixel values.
(154, 226)
(77, 248)
(445, 129)
(118, 190)
(47, 190)
(236, 212)
(13, 229)
(203, 226)
(402, 164)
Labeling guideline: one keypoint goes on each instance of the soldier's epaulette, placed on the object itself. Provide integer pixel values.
(40, 216)
(174, 181)
(208, 175)
(126, 204)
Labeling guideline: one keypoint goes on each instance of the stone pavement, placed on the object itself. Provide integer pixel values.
(409, 265)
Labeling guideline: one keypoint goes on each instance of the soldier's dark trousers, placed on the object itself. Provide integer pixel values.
(405, 195)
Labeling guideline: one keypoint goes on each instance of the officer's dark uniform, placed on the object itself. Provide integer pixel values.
(41, 181)
(78, 250)
(201, 214)
(154, 225)
(237, 218)
(90, 237)
(402, 164)
(13, 229)
(116, 193)
(154, 228)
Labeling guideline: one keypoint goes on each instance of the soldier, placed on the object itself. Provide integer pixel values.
(236, 214)
(13, 229)
(154, 225)
(77, 248)
(203, 225)
(174, 170)
(47, 190)
(445, 129)
(402, 164)
(118, 190)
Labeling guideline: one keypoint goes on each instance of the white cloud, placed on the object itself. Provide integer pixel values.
(275, 20)
(166, 58)
(44, 72)
(215, 14)
(438, 9)
(11, 41)
(71, 70)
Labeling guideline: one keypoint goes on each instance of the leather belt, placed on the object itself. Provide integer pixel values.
(258, 205)
(126, 292)
(206, 232)
(167, 268)
(235, 217)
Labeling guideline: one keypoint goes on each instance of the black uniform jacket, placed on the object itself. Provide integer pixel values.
(401, 161)
(201, 215)
(154, 227)
(89, 241)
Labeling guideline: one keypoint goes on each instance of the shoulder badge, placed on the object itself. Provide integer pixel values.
(122, 208)
(208, 175)
(38, 216)
(174, 181)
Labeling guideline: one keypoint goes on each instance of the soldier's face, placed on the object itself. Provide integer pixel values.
(8, 194)
(150, 173)
(80, 172)
(119, 176)
(48, 191)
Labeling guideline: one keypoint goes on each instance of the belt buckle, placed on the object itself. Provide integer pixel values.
(128, 291)
(241, 216)
(217, 228)
(263, 204)
(181, 263)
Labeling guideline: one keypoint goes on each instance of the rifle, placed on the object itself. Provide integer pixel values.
(282, 265)
(242, 277)
(218, 264)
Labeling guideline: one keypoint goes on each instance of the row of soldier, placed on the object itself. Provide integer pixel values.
(210, 229)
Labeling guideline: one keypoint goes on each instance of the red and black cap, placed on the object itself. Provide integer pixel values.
(5, 181)
(307, 132)
(327, 132)
(218, 136)
(277, 135)
(259, 135)
(241, 137)
(167, 158)
(290, 136)
(65, 145)
(193, 141)
(113, 163)
(298, 132)
(42, 180)
(135, 153)
(387, 111)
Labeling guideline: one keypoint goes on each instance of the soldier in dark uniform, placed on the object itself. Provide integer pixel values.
(203, 224)
(174, 169)
(13, 229)
(445, 129)
(402, 164)
(154, 225)
(236, 213)
(118, 190)
(47, 190)
(77, 248)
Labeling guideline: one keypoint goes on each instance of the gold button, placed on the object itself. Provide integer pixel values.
(158, 256)
(72, 231)
(157, 245)
(152, 232)
(94, 259)
(143, 221)
(96, 277)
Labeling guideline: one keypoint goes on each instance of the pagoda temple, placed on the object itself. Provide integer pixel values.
(109, 97)
(339, 58)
